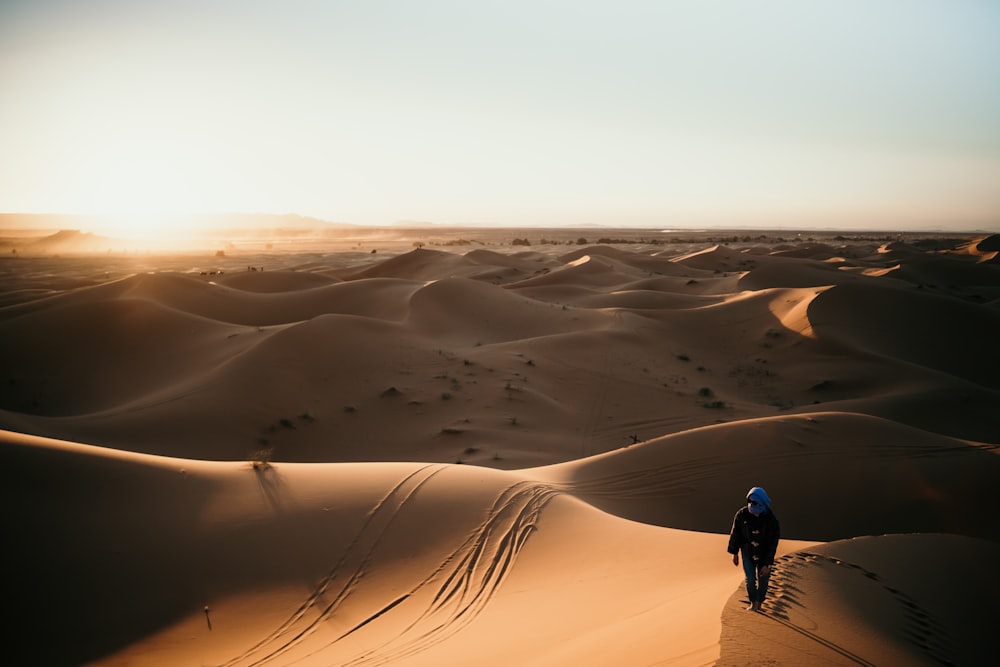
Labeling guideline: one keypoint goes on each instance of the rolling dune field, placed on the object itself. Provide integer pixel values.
(473, 452)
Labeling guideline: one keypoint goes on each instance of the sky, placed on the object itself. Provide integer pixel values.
(874, 114)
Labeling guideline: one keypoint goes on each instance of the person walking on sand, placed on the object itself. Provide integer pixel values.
(755, 534)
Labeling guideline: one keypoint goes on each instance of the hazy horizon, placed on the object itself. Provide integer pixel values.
(821, 115)
(231, 221)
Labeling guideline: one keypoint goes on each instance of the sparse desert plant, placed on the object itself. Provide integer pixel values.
(260, 458)
(391, 391)
(714, 405)
(683, 357)
(446, 396)
(510, 389)
(286, 422)
(350, 409)
(705, 392)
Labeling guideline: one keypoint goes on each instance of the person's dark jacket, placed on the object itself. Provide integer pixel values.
(748, 529)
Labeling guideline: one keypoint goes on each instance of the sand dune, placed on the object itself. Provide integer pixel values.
(884, 474)
(852, 602)
(276, 281)
(261, 467)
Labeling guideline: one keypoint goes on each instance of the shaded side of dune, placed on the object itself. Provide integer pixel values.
(831, 475)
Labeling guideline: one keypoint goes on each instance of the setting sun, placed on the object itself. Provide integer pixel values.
(139, 227)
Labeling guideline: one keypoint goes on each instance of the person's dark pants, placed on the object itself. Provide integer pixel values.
(756, 584)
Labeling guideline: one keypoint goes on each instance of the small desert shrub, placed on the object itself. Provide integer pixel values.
(261, 458)
(705, 392)
(715, 405)
(683, 357)
(446, 396)
(286, 422)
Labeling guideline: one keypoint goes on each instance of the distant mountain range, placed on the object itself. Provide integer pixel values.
(214, 222)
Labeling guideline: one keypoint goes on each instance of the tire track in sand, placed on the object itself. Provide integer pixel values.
(435, 608)
(452, 596)
(342, 577)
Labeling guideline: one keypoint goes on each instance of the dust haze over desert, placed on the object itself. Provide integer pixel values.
(443, 334)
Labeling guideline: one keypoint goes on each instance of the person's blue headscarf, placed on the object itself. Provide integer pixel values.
(760, 496)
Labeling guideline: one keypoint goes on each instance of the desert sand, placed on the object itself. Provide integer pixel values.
(455, 449)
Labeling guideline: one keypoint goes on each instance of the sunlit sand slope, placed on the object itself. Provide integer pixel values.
(168, 561)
